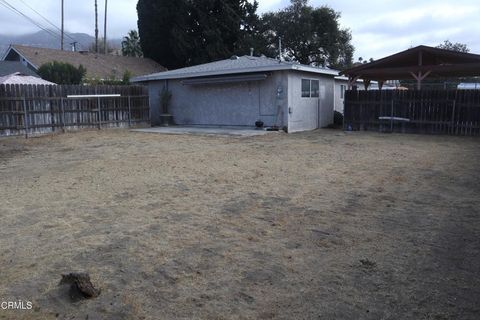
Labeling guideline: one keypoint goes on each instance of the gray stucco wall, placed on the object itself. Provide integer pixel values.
(338, 94)
(235, 104)
(310, 113)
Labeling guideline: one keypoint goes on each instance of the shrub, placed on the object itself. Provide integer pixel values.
(62, 73)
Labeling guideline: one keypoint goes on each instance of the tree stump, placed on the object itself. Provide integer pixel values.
(80, 286)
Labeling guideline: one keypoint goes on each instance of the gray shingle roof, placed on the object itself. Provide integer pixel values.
(11, 67)
(244, 64)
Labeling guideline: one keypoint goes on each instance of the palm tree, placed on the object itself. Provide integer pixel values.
(131, 45)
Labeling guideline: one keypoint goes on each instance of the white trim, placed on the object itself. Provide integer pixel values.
(93, 96)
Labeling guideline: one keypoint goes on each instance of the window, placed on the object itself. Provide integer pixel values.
(305, 88)
(315, 89)
(342, 91)
(310, 88)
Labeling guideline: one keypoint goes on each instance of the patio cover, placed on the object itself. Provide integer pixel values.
(419, 62)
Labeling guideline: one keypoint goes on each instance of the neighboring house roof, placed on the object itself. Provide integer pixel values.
(19, 78)
(99, 66)
(9, 67)
(345, 79)
(234, 65)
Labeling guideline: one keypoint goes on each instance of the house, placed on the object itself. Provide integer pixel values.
(20, 78)
(99, 66)
(241, 90)
(11, 67)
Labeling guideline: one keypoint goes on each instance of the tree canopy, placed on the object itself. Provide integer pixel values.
(62, 73)
(179, 33)
(457, 46)
(309, 35)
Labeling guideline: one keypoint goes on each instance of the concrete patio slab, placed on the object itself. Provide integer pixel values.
(206, 130)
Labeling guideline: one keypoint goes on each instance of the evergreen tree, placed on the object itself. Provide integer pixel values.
(179, 33)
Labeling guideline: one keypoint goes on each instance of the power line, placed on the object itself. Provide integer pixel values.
(49, 21)
(51, 32)
(15, 10)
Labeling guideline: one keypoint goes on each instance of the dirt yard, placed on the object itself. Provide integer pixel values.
(319, 225)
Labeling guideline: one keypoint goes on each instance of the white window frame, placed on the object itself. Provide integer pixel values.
(310, 93)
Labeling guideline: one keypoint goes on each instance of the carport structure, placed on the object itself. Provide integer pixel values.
(418, 63)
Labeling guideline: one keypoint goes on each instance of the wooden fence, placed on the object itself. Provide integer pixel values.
(28, 109)
(454, 112)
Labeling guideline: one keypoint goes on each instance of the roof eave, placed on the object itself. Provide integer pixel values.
(280, 67)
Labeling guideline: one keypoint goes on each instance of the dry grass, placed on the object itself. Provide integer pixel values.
(304, 226)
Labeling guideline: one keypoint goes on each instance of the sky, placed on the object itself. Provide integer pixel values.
(379, 28)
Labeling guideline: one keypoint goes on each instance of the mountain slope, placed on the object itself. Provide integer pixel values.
(45, 40)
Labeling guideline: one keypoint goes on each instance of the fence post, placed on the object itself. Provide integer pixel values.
(453, 117)
(62, 110)
(25, 120)
(391, 117)
(99, 114)
(129, 112)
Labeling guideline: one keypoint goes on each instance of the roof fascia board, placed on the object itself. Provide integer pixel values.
(7, 52)
(280, 67)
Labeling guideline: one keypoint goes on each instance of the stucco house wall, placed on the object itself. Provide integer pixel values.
(339, 95)
(309, 113)
(241, 90)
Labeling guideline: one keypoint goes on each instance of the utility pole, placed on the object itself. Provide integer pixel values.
(61, 45)
(105, 30)
(96, 27)
(280, 49)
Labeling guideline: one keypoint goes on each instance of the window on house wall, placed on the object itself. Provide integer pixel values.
(310, 88)
(315, 89)
(342, 91)
(305, 88)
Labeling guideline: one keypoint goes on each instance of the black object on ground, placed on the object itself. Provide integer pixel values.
(80, 286)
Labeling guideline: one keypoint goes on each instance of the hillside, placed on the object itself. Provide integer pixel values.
(44, 40)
